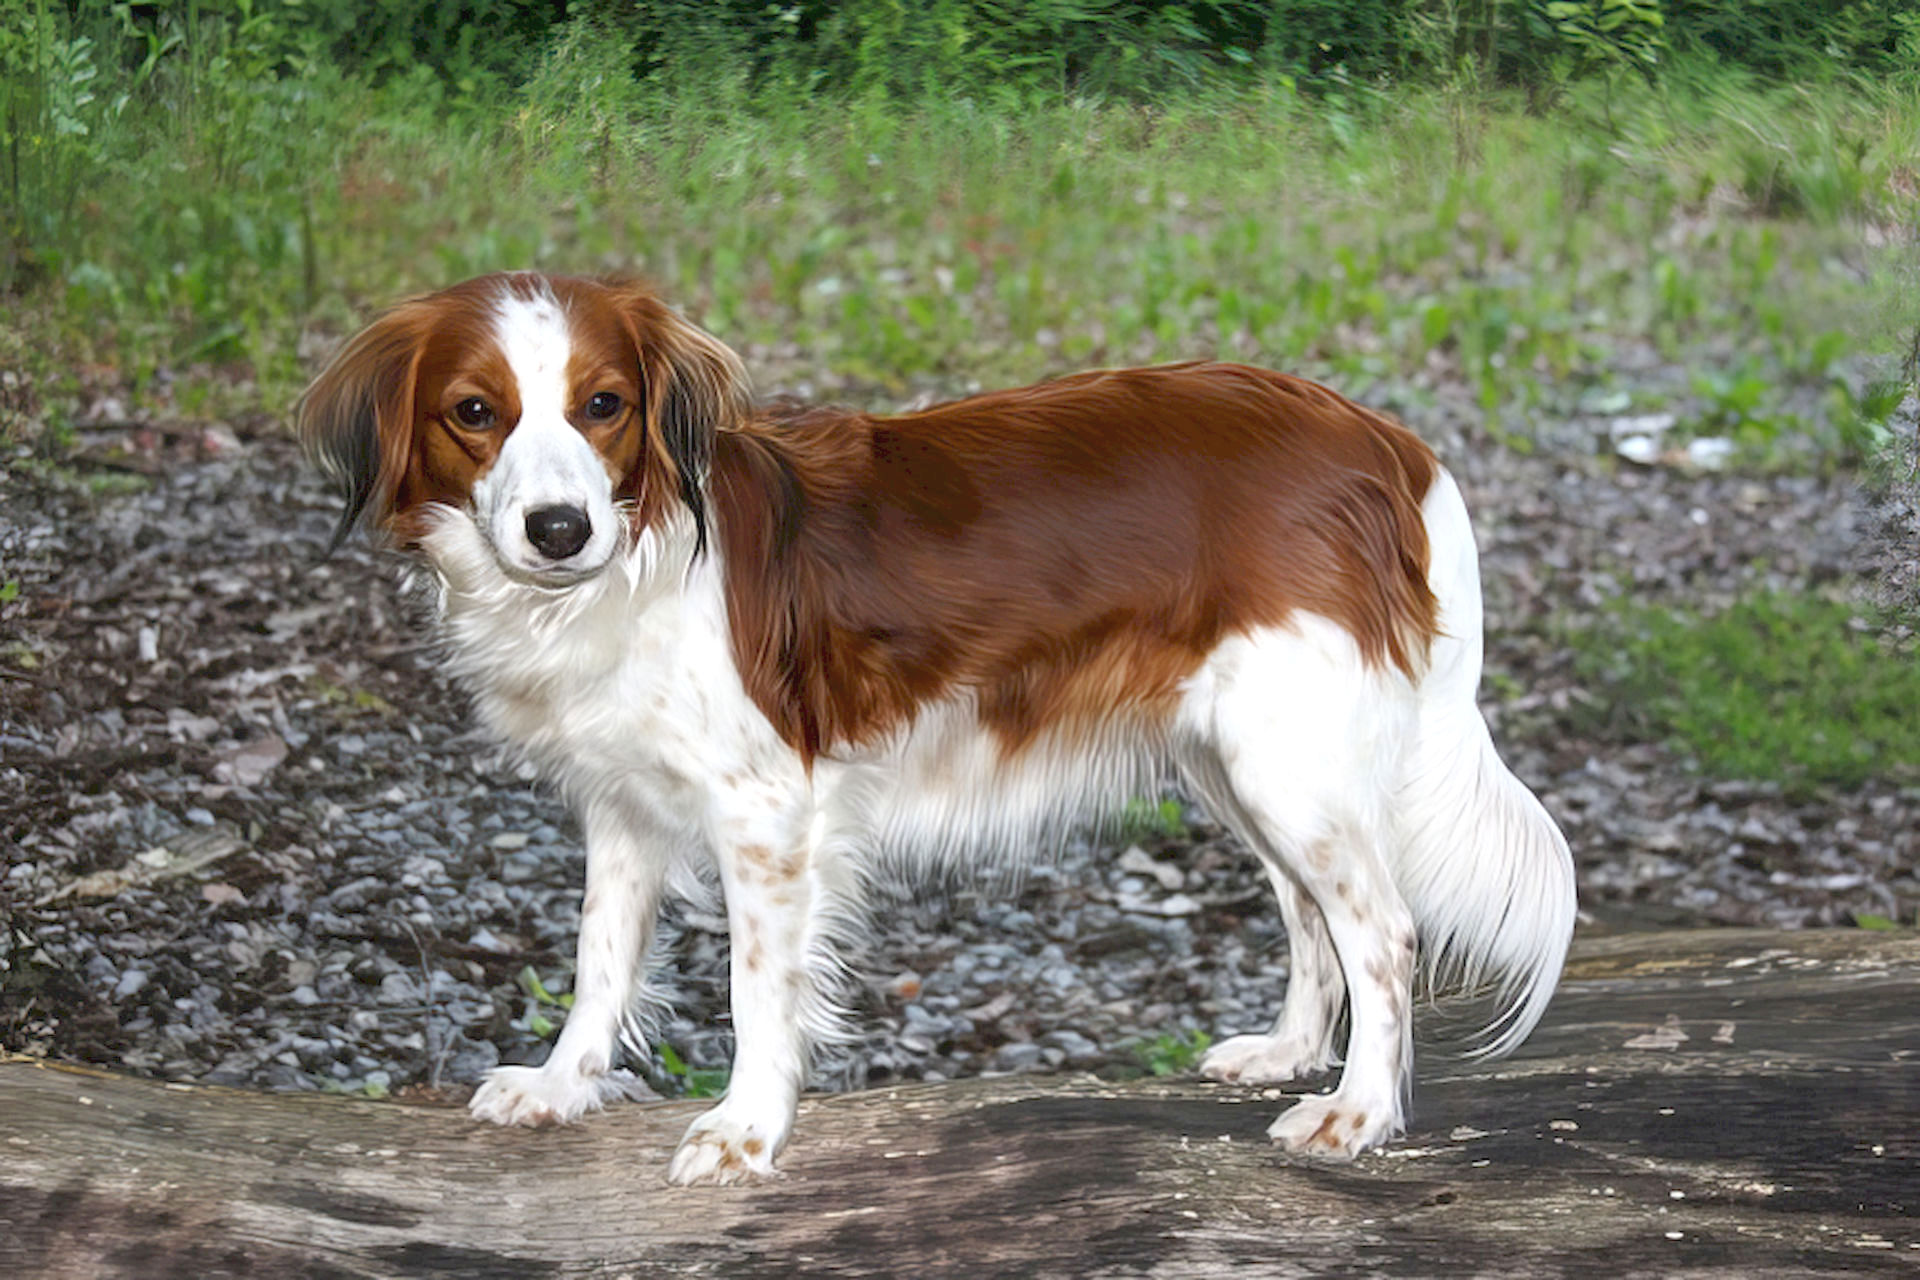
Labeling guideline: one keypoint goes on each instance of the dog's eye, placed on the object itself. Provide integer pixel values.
(602, 406)
(474, 413)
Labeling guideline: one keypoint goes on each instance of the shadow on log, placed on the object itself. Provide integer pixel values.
(1729, 1102)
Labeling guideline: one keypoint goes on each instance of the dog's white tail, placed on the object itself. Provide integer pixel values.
(1485, 871)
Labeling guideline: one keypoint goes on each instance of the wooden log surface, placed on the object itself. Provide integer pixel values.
(1716, 1102)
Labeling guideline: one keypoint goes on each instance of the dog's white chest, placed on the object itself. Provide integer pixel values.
(609, 689)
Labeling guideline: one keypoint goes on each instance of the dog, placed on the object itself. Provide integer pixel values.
(779, 644)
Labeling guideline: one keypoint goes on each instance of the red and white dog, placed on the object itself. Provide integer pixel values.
(783, 644)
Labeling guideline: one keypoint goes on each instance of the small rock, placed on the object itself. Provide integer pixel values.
(1023, 1056)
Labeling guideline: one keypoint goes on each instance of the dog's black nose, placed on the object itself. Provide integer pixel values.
(558, 532)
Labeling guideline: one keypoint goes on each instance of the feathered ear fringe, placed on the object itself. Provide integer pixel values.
(355, 420)
(694, 387)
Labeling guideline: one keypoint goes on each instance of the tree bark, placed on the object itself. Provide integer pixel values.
(1737, 1102)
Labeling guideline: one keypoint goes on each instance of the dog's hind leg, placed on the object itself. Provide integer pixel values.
(1301, 740)
(1301, 1042)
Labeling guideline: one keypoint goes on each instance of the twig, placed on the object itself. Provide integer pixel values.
(436, 1049)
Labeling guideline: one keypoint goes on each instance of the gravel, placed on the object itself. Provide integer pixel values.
(251, 836)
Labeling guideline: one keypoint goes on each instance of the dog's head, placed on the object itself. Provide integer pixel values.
(556, 413)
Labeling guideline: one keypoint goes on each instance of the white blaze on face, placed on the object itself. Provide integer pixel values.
(545, 462)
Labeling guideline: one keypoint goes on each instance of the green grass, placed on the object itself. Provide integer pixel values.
(1789, 689)
(1404, 245)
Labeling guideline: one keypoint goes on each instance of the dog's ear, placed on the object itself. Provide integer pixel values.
(693, 387)
(356, 418)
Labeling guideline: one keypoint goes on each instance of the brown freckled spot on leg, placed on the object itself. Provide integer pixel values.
(756, 956)
(757, 855)
(1359, 1121)
(1323, 1136)
(1386, 976)
(590, 903)
(731, 781)
(1320, 856)
(753, 1146)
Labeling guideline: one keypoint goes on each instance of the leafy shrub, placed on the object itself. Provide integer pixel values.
(1780, 38)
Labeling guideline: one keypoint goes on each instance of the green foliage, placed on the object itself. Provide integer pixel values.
(1607, 36)
(1782, 688)
(1866, 920)
(542, 1004)
(1363, 38)
(1783, 38)
(478, 46)
(1077, 182)
(1142, 818)
(1174, 1053)
(52, 119)
(694, 1082)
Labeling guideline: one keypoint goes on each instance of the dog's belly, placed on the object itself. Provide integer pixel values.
(948, 793)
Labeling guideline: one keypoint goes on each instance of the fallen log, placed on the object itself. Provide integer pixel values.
(1740, 1102)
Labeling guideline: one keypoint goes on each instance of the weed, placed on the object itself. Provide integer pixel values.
(1884, 924)
(113, 484)
(542, 1004)
(694, 1082)
(352, 701)
(1143, 818)
(374, 1089)
(1174, 1053)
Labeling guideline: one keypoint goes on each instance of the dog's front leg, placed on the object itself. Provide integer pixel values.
(626, 868)
(772, 888)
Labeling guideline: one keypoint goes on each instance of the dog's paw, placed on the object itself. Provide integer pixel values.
(1264, 1060)
(1334, 1127)
(536, 1097)
(721, 1150)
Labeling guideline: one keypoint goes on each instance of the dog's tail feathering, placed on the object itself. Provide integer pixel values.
(1484, 869)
